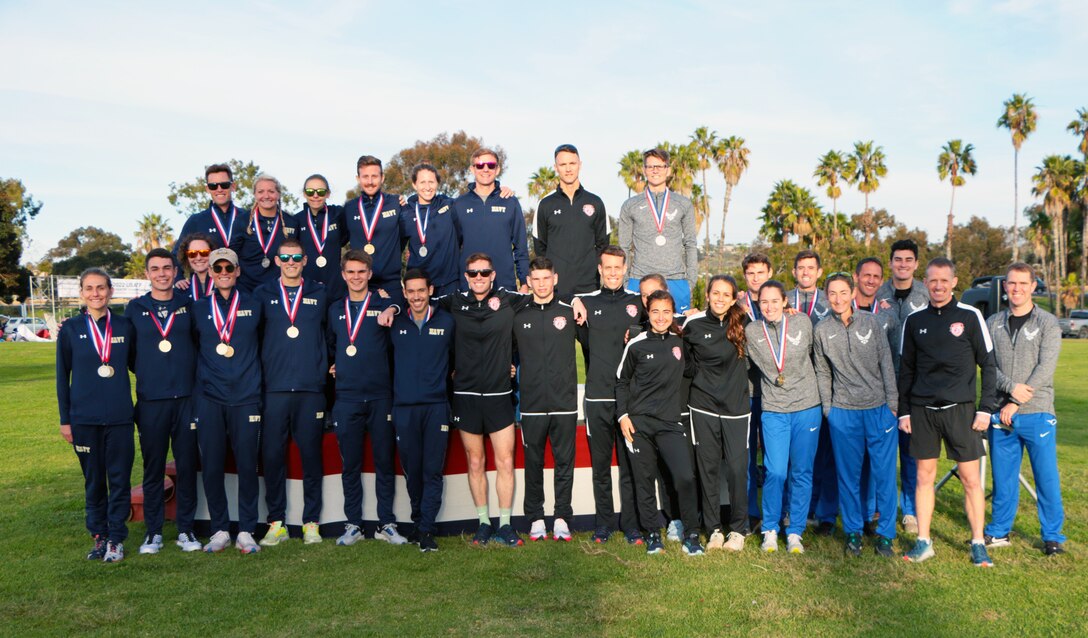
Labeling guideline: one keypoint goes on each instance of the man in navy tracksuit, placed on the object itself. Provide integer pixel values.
(226, 327)
(433, 233)
(294, 361)
(423, 346)
(493, 225)
(358, 346)
(222, 220)
(544, 331)
(165, 365)
(374, 227)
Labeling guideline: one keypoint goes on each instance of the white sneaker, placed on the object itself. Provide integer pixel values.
(717, 541)
(115, 552)
(245, 543)
(538, 531)
(310, 534)
(675, 531)
(793, 544)
(187, 542)
(152, 544)
(910, 525)
(560, 531)
(351, 535)
(218, 542)
(735, 542)
(389, 534)
(770, 541)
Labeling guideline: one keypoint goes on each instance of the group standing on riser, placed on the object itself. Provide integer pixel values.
(270, 330)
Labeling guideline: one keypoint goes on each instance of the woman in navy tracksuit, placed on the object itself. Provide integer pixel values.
(95, 401)
(433, 231)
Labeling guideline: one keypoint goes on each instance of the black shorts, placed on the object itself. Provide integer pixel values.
(928, 426)
(478, 414)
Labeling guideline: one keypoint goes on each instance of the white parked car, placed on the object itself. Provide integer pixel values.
(1076, 325)
(34, 324)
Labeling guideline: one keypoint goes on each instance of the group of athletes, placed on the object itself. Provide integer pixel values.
(263, 327)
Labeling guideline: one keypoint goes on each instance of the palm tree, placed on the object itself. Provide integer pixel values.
(954, 162)
(1038, 235)
(792, 210)
(542, 182)
(1079, 127)
(684, 164)
(701, 205)
(1054, 182)
(731, 156)
(1019, 118)
(865, 167)
(631, 172)
(830, 169)
(703, 141)
(152, 231)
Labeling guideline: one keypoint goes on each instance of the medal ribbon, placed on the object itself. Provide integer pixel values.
(750, 308)
(324, 231)
(103, 343)
(422, 229)
(372, 225)
(811, 306)
(225, 325)
(219, 225)
(195, 287)
(353, 326)
(875, 307)
(780, 356)
(291, 308)
(163, 330)
(659, 218)
(265, 245)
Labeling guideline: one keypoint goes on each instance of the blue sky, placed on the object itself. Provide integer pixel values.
(102, 105)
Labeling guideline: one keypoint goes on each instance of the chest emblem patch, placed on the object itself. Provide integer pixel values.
(676, 352)
(493, 303)
(956, 329)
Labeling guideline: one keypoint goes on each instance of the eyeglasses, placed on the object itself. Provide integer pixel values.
(489, 165)
(483, 272)
(218, 268)
(320, 192)
(297, 258)
(202, 252)
(656, 167)
(841, 274)
(214, 186)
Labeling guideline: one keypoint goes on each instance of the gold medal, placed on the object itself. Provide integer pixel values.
(292, 332)
(229, 353)
(321, 261)
(780, 380)
(369, 249)
(351, 350)
(165, 345)
(105, 371)
(221, 349)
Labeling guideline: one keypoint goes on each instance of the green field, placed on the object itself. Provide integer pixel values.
(548, 590)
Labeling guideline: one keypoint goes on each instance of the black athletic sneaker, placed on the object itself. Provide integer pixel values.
(853, 544)
(413, 536)
(995, 541)
(427, 542)
(884, 547)
(692, 546)
(507, 536)
(99, 550)
(602, 534)
(825, 528)
(654, 545)
(483, 535)
(634, 537)
(1050, 548)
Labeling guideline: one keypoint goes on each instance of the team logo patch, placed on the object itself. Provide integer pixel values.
(559, 323)
(956, 329)
(493, 303)
(676, 352)
(632, 311)
(589, 210)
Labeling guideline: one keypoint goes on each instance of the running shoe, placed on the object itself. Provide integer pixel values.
(922, 550)
(716, 540)
(853, 544)
(910, 525)
(99, 549)
(979, 557)
(427, 542)
(483, 534)
(152, 544)
(507, 536)
(734, 542)
(538, 531)
(634, 537)
(770, 541)
(277, 533)
(675, 532)
(560, 531)
(245, 543)
(115, 552)
(996, 541)
(1053, 548)
(654, 544)
(601, 534)
(413, 535)
(884, 547)
(793, 544)
(311, 534)
(352, 534)
(389, 534)
(218, 542)
(691, 546)
(187, 542)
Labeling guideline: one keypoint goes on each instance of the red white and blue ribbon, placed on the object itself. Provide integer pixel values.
(319, 243)
(370, 226)
(659, 216)
(163, 330)
(225, 234)
(225, 325)
(266, 245)
(101, 340)
(291, 308)
(195, 287)
(421, 229)
(354, 325)
(780, 356)
(811, 306)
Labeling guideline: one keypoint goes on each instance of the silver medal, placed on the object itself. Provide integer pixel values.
(422, 251)
(265, 263)
(321, 261)
(660, 240)
(105, 371)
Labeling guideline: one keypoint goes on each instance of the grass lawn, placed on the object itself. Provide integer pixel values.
(46, 587)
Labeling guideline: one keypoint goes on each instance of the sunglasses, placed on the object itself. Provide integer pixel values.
(202, 252)
(483, 272)
(214, 186)
(297, 258)
(482, 165)
(218, 268)
(320, 192)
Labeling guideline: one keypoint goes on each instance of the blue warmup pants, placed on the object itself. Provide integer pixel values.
(853, 433)
(300, 415)
(908, 476)
(1037, 433)
(680, 290)
(789, 440)
(755, 444)
(825, 484)
(163, 424)
(352, 420)
(422, 431)
(240, 426)
(105, 454)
